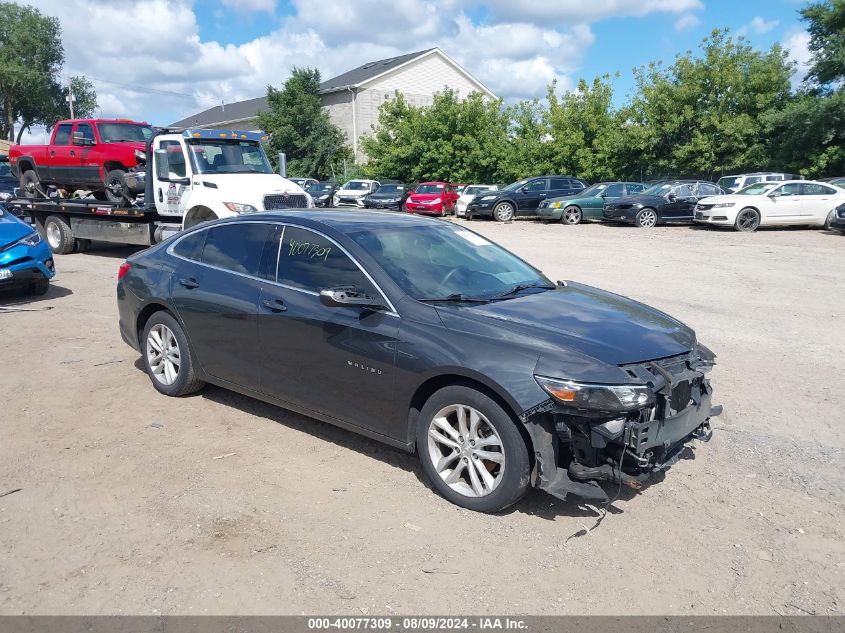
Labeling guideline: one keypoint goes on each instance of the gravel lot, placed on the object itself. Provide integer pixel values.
(131, 502)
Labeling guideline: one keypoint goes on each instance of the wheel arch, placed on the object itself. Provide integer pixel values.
(455, 377)
(197, 214)
(148, 311)
(109, 165)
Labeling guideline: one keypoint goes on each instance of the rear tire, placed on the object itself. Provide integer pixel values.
(167, 357)
(59, 235)
(30, 184)
(491, 454)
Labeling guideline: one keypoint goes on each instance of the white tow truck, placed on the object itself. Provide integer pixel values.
(195, 175)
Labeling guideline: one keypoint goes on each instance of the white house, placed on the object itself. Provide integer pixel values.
(352, 99)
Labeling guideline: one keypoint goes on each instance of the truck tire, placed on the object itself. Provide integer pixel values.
(30, 185)
(59, 235)
(116, 188)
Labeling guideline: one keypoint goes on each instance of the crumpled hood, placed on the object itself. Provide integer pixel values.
(638, 199)
(11, 230)
(599, 324)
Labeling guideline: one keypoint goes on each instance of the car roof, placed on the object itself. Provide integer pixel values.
(339, 219)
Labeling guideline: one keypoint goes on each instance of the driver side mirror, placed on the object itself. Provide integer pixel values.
(672, 197)
(348, 296)
(523, 189)
(774, 194)
(162, 162)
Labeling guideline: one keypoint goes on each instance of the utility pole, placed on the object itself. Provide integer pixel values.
(69, 97)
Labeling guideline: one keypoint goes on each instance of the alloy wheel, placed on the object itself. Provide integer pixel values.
(572, 215)
(504, 212)
(466, 450)
(748, 220)
(647, 218)
(163, 354)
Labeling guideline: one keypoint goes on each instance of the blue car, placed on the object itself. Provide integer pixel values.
(25, 259)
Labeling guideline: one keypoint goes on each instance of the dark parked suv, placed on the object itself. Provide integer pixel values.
(664, 201)
(429, 337)
(523, 197)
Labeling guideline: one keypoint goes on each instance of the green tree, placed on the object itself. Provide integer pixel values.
(584, 130)
(31, 57)
(298, 127)
(38, 108)
(702, 115)
(462, 140)
(527, 151)
(808, 135)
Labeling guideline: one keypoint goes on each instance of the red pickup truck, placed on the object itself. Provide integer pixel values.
(100, 155)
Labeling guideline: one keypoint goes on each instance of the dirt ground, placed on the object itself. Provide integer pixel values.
(131, 502)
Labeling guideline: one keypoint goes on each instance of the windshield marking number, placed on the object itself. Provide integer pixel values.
(312, 251)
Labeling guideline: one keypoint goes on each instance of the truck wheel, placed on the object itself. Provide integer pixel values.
(116, 188)
(59, 235)
(30, 185)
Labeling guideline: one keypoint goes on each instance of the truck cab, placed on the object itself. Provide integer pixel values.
(201, 175)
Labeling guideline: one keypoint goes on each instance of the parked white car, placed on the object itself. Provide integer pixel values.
(353, 191)
(794, 202)
(732, 184)
(469, 192)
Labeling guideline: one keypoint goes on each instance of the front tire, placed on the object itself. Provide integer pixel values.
(30, 185)
(646, 219)
(471, 450)
(747, 220)
(38, 287)
(503, 212)
(117, 190)
(167, 356)
(571, 215)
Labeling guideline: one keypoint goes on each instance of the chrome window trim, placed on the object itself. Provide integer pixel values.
(391, 309)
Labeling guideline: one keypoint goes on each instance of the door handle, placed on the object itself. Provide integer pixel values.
(52, 153)
(190, 283)
(276, 305)
(73, 152)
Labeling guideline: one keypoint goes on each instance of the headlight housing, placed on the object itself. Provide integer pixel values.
(240, 207)
(487, 198)
(33, 239)
(594, 397)
(436, 201)
(722, 205)
(555, 205)
(140, 157)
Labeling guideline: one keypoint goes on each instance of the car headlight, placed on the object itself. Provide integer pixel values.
(140, 157)
(487, 198)
(240, 207)
(612, 398)
(555, 205)
(436, 201)
(722, 205)
(33, 239)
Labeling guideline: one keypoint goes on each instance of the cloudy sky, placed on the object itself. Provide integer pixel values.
(161, 60)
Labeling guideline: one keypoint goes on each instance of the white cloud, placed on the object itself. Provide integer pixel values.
(251, 5)
(757, 26)
(149, 59)
(687, 21)
(797, 44)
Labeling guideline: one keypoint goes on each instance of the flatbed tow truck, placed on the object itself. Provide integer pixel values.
(195, 175)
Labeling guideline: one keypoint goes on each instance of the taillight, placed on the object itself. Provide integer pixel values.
(124, 268)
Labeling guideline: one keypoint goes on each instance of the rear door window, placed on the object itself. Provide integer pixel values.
(238, 248)
(705, 189)
(634, 188)
(310, 261)
(190, 246)
(613, 191)
(813, 189)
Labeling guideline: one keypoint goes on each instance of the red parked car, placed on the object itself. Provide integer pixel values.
(104, 156)
(432, 198)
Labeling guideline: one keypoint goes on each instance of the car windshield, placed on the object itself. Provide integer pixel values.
(728, 182)
(444, 261)
(229, 157)
(356, 185)
(391, 189)
(515, 185)
(658, 189)
(429, 189)
(319, 187)
(756, 189)
(593, 190)
(117, 132)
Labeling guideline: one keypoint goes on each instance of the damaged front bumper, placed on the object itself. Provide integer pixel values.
(575, 450)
